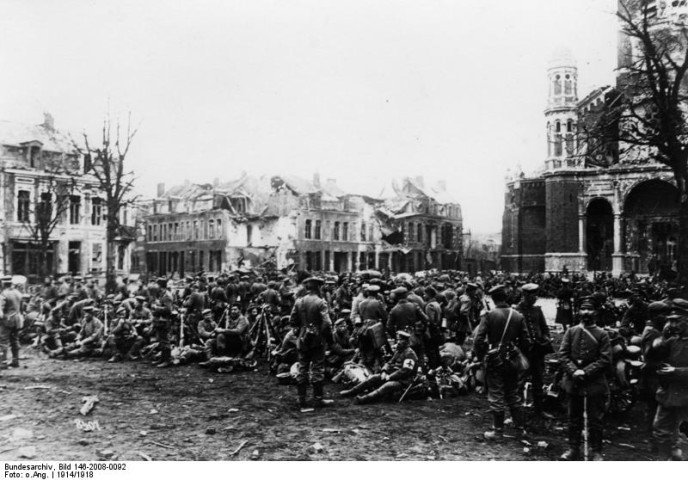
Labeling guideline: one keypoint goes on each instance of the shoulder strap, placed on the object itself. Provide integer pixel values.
(590, 335)
(506, 327)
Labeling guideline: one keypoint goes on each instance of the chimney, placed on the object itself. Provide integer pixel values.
(442, 185)
(419, 181)
(161, 189)
(48, 121)
(316, 180)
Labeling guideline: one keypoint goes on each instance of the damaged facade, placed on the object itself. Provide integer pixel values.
(611, 212)
(41, 171)
(288, 222)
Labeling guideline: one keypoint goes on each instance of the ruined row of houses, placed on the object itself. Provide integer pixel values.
(287, 222)
(53, 220)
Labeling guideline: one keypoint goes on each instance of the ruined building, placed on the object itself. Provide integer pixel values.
(285, 221)
(607, 211)
(47, 204)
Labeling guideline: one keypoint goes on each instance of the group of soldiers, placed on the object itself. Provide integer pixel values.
(394, 326)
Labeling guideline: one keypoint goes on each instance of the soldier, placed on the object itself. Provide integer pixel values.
(672, 351)
(405, 314)
(11, 321)
(343, 297)
(586, 354)
(311, 316)
(499, 331)
(396, 375)
(123, 337)
(341, 350)
(468, 313)
(635, 317)
(370, 337)
(649, 380)
(565, 304)
(540, 342)
(232, 338)
(89, 340)
(434, 337)
(206, 331)
(161, 334)
(270, 297)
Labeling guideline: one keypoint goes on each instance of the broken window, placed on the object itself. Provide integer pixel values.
(307, 232)
(318, 227)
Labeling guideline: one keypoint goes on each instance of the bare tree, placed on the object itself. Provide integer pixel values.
(646, 117)
(106, 162)
(48, 212)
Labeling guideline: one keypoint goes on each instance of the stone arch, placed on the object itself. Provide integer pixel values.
(599, 233)
(651, 226)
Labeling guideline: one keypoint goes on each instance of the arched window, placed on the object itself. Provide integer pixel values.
(568, 85)
(557, 84)
(569, 126)
(557, 127)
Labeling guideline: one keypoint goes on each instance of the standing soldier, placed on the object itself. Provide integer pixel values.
(672, 395)
(311, 316)
(405, 314)
(469, 312)
(373, 316)
(565, 304)
(11, 321)
(586, 354)
(434, 337)
(499, 331)
(540, 341)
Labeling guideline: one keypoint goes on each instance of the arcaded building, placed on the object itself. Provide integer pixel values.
(607, 212)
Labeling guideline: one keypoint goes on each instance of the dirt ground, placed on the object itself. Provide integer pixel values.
(187, 413)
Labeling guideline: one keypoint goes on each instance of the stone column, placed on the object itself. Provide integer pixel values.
(331, 268)
(350, 261)
(377, 259)
(581, 233)
(617, 256)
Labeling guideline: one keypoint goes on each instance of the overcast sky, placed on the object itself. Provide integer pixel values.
(358, 90)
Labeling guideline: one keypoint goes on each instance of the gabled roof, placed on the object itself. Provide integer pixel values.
(19, 134)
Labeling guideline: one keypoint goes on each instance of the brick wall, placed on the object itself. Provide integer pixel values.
(562, 214)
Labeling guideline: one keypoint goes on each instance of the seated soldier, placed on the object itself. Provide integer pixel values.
(284, 356)
(232, 340)
(341, 350)
(123, 338)
(90, 338)
(206, 332)
(53, 331)
(396, 375)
